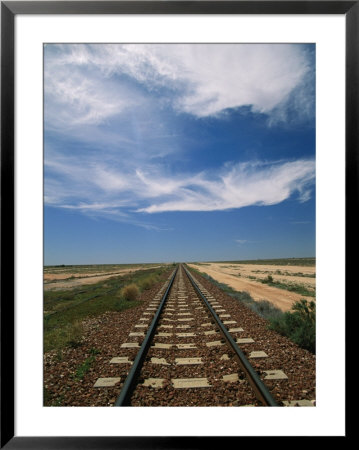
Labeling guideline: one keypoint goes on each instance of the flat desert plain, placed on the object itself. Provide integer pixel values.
(237, 276)
(67, 278)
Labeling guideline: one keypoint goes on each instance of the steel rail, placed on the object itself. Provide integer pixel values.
(129, 385)
(260, 389)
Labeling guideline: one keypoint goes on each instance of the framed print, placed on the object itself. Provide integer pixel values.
(176, 186)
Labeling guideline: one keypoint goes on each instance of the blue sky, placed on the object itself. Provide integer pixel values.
(178, 152)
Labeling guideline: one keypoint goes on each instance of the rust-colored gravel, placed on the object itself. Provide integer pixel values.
(108, 332)
(298, 364)
(105, 333)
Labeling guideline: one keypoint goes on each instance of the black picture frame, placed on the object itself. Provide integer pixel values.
(9, 10)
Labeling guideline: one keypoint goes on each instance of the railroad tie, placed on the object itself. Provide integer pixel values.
(175, 354)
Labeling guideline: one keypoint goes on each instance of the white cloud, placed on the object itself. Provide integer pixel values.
(236, 186)
(199, 79)
(73, 98)
(242, 185)
(111, 104)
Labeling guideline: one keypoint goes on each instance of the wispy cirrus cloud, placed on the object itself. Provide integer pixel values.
(153, 191)
(111, 114)
(101, 81)
(239, 186)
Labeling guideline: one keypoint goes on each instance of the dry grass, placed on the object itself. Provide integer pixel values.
(130, 292)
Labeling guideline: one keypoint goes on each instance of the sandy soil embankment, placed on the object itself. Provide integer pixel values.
(229, 274)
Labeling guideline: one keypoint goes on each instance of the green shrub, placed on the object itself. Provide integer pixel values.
(306, 310)
(266, 309)
(292, 287)
(298, 324)
(130, 292)
(268, 280)
(148, 282)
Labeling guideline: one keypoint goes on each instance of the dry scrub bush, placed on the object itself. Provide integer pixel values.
(75, 333)
(130, 292)
(148, 282)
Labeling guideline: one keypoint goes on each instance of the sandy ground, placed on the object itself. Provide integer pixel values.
(64, 276)
(262, 271)
(228, 274)
(61, 281)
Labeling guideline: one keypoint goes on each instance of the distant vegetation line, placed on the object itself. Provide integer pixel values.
(98, 266)
(310, 261)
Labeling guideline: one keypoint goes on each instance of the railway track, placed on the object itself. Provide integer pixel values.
(186, 350)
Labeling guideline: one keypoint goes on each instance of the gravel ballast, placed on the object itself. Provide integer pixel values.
(187, 327)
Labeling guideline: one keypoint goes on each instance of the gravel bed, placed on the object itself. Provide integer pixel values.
(298, 364)
(108, 332)
(105, 334)
(213, 368)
